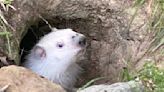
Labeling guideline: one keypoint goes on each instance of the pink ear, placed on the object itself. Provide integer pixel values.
(39, 51)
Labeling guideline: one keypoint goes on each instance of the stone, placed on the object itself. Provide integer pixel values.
(19, 79)
(131, 86)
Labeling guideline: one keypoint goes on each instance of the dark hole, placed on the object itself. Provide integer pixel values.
(34, 33)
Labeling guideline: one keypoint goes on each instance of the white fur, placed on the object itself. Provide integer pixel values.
(59, 64)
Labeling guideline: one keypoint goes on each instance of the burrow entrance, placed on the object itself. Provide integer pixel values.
(41, 28)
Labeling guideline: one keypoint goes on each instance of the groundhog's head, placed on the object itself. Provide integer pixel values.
(60, 44)
(54, 56)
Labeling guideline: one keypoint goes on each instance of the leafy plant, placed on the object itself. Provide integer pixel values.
(152, 77)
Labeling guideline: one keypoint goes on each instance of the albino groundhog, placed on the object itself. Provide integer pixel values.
(54, 56)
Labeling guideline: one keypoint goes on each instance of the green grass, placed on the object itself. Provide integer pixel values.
(151, 76)
(90, 83)
(4, 26)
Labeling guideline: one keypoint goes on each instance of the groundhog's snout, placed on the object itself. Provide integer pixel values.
(82, 41)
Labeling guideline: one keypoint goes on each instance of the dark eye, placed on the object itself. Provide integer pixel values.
(73, 36)
(60, 45)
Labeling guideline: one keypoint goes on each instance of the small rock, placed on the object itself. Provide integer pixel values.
(20, 79)
(5, 60)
